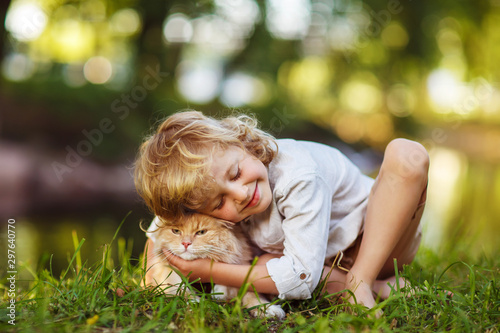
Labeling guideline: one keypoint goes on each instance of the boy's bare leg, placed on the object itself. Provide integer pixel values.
(392, 217)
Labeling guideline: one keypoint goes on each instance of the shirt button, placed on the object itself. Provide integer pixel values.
(303, 276)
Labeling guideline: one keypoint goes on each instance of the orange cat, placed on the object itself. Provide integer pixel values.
(202, 236)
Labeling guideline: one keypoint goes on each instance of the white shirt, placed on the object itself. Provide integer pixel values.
(318, 208)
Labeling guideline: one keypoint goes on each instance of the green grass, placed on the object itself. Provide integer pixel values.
(82, 299)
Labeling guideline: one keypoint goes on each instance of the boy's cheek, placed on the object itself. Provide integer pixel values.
(267, 198)
(228, 215)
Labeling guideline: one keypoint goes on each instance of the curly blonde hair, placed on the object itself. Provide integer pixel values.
(172, 165)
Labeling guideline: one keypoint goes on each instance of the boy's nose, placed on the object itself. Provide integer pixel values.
(240, 193)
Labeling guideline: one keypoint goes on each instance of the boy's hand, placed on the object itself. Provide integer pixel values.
(196, 269)
(231, 275)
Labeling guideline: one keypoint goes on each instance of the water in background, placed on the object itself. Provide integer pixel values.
(459, 209)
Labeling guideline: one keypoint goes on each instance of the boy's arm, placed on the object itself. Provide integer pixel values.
(230, 275)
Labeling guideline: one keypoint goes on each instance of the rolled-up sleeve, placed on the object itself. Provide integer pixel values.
(305, 206)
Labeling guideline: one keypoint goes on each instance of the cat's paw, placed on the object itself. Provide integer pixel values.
(194, 299)
(191, 298)
(220, 292)
(275, 311)
(268, 311)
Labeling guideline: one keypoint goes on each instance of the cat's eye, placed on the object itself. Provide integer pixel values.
(201, 232)
(176, 231)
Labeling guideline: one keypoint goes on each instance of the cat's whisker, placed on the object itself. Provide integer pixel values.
(218, 250)
(168, 255)
(214, 252)
(159, 257)
(157, 254)
(162, 256)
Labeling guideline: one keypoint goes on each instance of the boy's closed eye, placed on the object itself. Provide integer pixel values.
(221, 203)
(237, 175)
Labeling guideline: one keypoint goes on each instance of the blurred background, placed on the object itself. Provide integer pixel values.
(83, 81)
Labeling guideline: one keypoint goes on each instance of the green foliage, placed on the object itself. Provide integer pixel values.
(85, 299)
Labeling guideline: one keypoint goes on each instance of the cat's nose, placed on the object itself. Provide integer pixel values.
(186, 244)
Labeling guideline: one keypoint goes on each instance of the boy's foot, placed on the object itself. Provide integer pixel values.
(383, 288)
(362, 292)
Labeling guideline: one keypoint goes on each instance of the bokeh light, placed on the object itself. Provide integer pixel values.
(447, 168)
(444, 90)
(343, 34)
(361, 95)
(25, 20)
(46, 33)
(356, 70)
(198, 82)
(125, 22)
(242, 14)
(309, 78)
(98, 70)
(288, 19)
(177, 28)
(394, 36)
(17, 67)
(240, 89)
(72, 40)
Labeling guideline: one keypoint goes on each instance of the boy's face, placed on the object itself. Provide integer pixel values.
(241, 186)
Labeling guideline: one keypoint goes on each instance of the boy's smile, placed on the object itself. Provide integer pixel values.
(255, 197)
(241, 186)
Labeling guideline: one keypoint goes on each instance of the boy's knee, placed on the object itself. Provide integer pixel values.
(407, 159)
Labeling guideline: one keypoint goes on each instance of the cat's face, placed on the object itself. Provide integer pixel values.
(198, 236)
